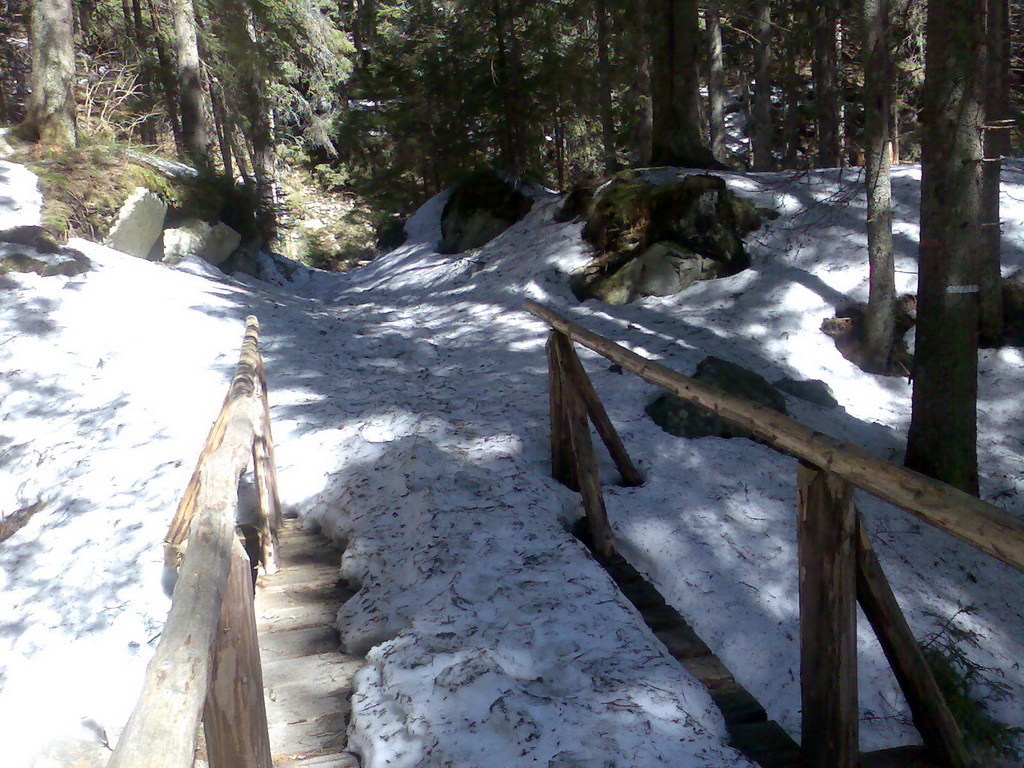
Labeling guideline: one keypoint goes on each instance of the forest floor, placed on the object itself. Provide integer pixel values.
(410, 414)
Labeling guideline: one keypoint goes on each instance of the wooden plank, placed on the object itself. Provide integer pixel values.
(235, 718)
(985, 526)
(586, 463)
(296, 643)
(599, 416)
(161, 732)
(931, 715)
(563, 467)
(826, 523)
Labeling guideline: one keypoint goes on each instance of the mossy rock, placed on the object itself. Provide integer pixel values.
(577, 201)
(698, 215)
(479, 209)
(664, 269)
(680, 418)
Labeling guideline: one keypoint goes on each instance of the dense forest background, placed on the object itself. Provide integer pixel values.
(397, 100)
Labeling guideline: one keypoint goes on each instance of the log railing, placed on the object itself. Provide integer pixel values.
(206, 666)
(837, 565)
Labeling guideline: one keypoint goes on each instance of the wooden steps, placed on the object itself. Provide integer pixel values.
(307, 680)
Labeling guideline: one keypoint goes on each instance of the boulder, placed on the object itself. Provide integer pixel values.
(677, 417)
(663, 269)
(479, 209)
(211, 242)
(17, 257)
(391, 234)
(139, 224)
(812, 390)
(697, 219)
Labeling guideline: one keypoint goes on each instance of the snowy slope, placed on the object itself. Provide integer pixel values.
(410, 408)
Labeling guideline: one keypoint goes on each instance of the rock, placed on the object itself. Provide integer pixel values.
(31, 235)
(479, 209)
(16, 257)
(139, 224)
(6, 150)
(577, 201)
(211, 242)
(1013, 313)
(391, 234)
(812, 390)
(677, 417)
(698, 217)
(663, 269)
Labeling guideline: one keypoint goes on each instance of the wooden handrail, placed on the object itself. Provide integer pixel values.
(163, 729)
(984, 526)
(837, 567)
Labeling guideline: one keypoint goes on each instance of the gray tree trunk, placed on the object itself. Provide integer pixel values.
(997, 144)
(196, 132)
(942, 441)
(675, 88)
(50, 113)
(716, 79)
(763, 137)
(880, 319)
(605, 88)
(825, 66)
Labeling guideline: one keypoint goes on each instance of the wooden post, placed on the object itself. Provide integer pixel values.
(265, 472)
(586, 464)
(563, 467)
(235, 718)
(598, 415)
(931, 715)
(828, 619)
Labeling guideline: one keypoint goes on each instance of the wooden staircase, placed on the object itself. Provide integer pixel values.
(307, 679)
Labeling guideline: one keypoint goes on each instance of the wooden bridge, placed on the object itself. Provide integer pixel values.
(261, 668)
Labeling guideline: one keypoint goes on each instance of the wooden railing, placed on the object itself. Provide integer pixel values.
(207, 666)
(837, 565)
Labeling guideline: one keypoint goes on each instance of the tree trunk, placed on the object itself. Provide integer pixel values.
(677, 131)
(605, 88)
(264, 158)
(997, 144)
(643, 129)
(716, 80)
(880, 319)
(792, 85)
(223, 125)
(942, 441)
(825, 69)
(195, 122)
(50, 114)
(763, 139)
(166, 75)
(148, 78)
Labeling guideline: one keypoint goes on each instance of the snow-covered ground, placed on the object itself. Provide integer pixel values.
(410, 414)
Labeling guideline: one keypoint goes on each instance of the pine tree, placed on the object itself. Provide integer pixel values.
(942, 441)
(50, 117)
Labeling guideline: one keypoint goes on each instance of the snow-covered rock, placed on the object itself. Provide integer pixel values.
(210, 242)
(139, 224)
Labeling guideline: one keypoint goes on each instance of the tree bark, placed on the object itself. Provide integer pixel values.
(643, 130)
(166, 75)
(677, 131)
(716, 80)
(824, 19)
(50, 114)
(763, 139)
(942, 441)
(997, 144)
(605, 88)
(879, 323)
(195, 122)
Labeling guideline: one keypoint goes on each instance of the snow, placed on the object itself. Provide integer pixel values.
(410, 415)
